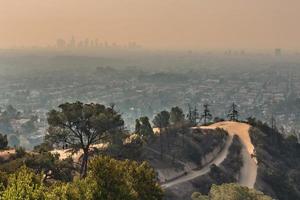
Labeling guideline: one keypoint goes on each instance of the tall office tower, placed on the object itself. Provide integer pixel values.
(60, 43)
(72, 43)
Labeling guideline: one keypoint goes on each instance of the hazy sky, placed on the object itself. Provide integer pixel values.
(154, 23)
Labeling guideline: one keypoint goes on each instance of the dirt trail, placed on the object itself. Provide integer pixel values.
(65, 153)
(196, 173)
(249, 169)
(7, 153)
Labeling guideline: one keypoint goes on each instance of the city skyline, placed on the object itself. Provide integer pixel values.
(180, 24)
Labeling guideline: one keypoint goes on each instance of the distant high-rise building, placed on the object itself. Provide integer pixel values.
(278, 52)
(80, 44)
(72, 43)
(60, 43)
(86, 43)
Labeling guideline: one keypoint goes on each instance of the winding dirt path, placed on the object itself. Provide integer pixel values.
(196, 173)
(248, 172)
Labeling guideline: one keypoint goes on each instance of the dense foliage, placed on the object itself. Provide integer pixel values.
(107, 179)
(3, 141)
(79, 126)
(278, 161)
(231, 192)
(50, 165)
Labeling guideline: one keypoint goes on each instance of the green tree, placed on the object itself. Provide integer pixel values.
(3, 141)
(81, 125)
(24, 184)
(144, 181)
(46, 146)
(162, 121)
(58, 191)
(107, 179)
(51, 166)
(193, 115)
(233, 114)
(133, 147)
(137, 126)
(231, 192)
(127, 180)
(145, 128)
(199, 196)
(176, 116)
(206, 116)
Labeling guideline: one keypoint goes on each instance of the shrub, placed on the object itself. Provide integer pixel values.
(231, 192)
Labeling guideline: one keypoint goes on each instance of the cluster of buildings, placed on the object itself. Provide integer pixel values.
(263, 93)
(92, 44)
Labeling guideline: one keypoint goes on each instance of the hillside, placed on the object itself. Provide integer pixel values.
(234, 163)
(249, 169)
(278, 162)
(188, 160)
(183, 152)
(270, 163)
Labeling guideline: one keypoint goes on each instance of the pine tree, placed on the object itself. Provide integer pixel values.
(233, 113)
(206, 114)
(193, 115)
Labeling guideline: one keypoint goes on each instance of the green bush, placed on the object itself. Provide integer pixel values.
(231, 192)
(24, 184)
(108, 179)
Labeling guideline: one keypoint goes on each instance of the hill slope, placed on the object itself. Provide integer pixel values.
(249, 169)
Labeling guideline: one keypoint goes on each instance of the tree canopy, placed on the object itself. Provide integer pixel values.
(107, 179)
(162, 119)
(231, 192)
(79, 126)
(3, 141)
(206, 116)
(143, 127)
(176, 115)
(233, 114)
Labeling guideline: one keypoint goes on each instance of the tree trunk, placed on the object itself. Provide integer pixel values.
(84, 163)
(161, 145)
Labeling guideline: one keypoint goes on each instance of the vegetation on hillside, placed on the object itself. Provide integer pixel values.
(79, 126)
(3, 141)
(227, 172)
(278, 161)
(231, 192)
(107, 179)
